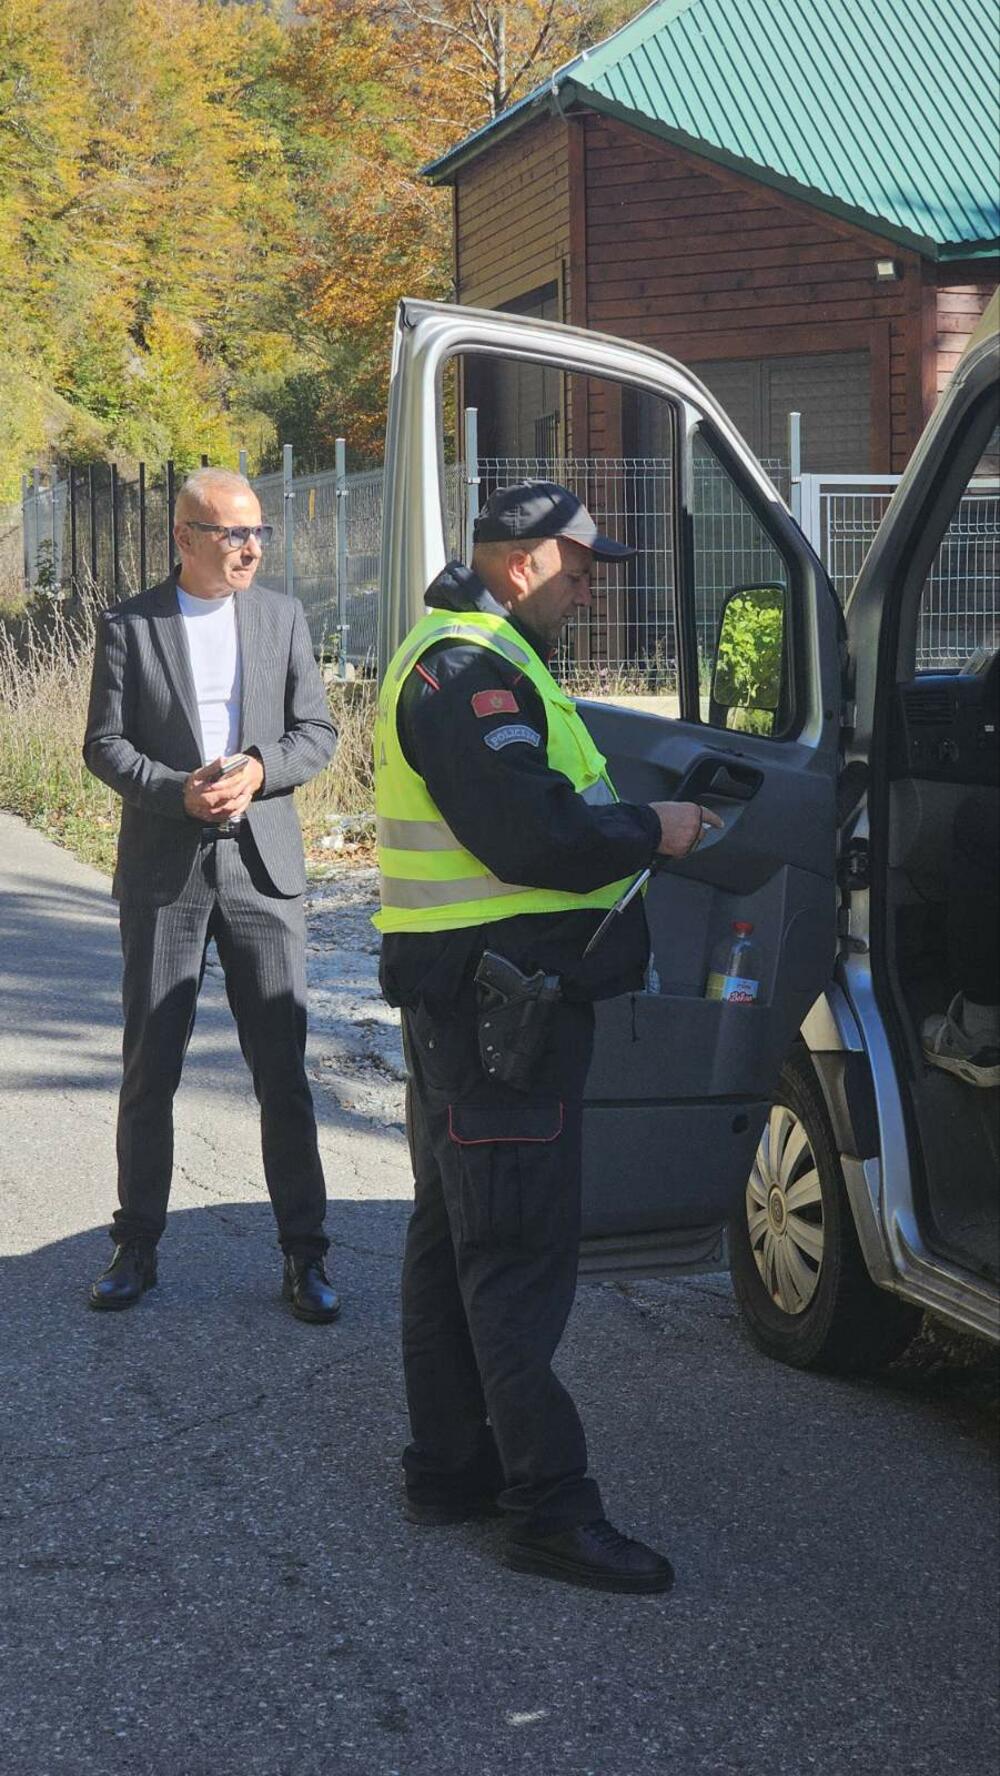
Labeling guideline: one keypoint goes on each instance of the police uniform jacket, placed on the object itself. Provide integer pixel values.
(483, 759)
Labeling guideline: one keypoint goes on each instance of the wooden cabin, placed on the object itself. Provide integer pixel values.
(806, 213)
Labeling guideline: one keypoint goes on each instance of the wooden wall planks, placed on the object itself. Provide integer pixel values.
(657, 244)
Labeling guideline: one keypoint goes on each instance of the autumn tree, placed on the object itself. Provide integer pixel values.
(208, 211)
(494, 53)
(385, 86)
(41, 120)
(144, 215)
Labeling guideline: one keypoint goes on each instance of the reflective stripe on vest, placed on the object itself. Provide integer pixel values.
(429, 881)
(436, 835)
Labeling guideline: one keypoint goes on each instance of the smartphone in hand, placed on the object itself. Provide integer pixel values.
(236, 763)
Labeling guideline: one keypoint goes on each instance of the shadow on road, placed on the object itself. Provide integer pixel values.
(205, 1570)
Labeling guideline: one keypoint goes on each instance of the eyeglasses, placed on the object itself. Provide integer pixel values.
(236, 535)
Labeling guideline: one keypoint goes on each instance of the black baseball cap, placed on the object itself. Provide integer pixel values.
(533, 509)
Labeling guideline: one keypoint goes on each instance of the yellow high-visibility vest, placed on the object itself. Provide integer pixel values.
(428, 880)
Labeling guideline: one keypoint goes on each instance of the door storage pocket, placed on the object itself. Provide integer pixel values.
(665, 1046)
(517, 1183)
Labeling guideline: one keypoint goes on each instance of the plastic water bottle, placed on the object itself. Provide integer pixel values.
(735, 970)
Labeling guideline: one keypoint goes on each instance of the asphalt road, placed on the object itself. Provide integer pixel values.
(203, 1569)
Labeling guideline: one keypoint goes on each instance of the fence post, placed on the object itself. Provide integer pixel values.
(36, 504)
(243, 462)
(287, 497)
(92, 498)
(810, 519)
(170, 514)
(56, 555)
(471, 477)
(795, 465)
(72, 532)
(204, 460)
(142, 525)
(25, 546)
(341, 494)
(116, 564)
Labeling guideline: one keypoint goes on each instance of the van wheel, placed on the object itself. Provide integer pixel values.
(803, 1290)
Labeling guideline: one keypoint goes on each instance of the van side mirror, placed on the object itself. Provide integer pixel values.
(749, 652)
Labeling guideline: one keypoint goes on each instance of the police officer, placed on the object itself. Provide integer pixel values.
(502, 845)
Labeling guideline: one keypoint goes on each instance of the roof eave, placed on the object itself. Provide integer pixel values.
(562, 96)
(974, 249)
(443, 170)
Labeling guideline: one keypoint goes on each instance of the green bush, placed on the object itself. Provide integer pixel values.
(747, 678)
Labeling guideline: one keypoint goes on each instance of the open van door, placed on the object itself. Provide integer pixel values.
(680, 1085)
(924, 652)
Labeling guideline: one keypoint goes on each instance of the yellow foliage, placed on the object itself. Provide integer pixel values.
(208, 213)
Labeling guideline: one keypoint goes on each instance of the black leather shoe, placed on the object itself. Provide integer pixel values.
(592, 1554)
(131, 1272)
(306, 1286)
(439, 1516)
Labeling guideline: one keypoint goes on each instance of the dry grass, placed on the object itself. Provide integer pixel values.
(44, 681)
(44, 684)
(347, 786)
(12, 594)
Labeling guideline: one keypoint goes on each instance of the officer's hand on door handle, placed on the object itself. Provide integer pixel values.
(683, 825)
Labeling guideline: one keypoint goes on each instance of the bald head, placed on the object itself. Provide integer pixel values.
(206, 488)
(210, 504)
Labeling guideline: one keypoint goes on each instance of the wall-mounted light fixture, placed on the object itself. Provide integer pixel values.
(888, 271)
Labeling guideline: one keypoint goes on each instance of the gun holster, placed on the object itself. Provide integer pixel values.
(515, 1019)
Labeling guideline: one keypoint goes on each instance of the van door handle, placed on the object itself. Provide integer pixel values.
(713, 776)
(738, 783)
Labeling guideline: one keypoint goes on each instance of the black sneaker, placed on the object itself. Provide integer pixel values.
(306, 1285)
(594, 1554)
(131, 1272)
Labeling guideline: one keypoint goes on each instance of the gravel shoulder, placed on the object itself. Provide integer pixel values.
(355, 1050)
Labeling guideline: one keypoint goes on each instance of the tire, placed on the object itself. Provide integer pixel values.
(803, 1290)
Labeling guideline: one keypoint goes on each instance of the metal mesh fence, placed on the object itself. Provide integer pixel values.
(44, 527)
(117, 533)
(336, 556)
(958, 609)
(627, 641)
(960, 603)
(850, 520)
(361, 558)
(627, 638)
(270, 491)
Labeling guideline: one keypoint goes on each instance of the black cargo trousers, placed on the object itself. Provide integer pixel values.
(489, 1272)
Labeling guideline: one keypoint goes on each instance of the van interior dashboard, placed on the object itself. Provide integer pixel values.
(946, 725)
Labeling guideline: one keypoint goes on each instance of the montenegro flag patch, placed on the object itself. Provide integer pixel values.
(495, 703)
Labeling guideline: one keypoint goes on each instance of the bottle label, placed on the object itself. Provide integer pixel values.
(735, 988)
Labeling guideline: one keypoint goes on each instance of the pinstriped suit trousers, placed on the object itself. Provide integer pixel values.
(260, 938)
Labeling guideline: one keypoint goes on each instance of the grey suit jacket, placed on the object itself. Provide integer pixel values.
(143, 734)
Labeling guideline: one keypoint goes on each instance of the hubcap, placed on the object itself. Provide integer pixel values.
(784, 1207)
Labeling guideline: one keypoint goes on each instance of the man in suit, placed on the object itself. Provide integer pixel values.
(185, 674)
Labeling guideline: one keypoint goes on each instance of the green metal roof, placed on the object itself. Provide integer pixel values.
(886, 112)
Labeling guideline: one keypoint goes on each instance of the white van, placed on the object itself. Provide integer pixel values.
(860, 1184)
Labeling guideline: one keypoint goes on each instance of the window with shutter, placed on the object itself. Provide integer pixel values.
(831, 390)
